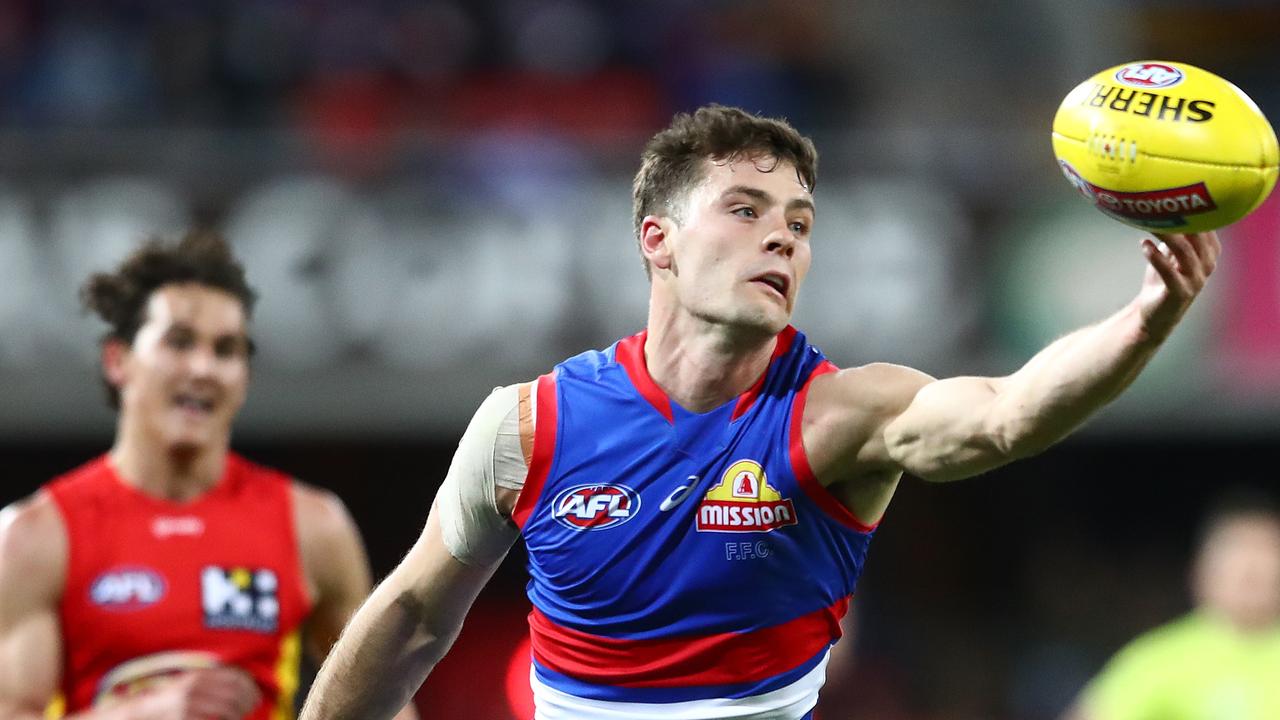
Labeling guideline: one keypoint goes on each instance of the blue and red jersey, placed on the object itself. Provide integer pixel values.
(688, 559)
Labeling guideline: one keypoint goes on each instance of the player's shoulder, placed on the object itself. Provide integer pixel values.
(504, 397)
(1188, 633)
(319, 512)
(33, 537)
(593, 363)
(876, 389)
(498, 404)
(91, 476)
(1194, 628)
(254, 471)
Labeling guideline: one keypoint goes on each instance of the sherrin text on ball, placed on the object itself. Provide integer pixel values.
(1166, 147)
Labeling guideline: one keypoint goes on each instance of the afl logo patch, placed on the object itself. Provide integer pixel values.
(1149, 75)
(130, 588)
(595, 507)
(1078, 182)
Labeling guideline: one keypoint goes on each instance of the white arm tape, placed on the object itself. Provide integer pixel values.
(488, 455)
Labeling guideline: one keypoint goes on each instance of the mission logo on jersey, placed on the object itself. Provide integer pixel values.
(743, 501)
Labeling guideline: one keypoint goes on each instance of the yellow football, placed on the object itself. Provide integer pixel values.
(1165, 147)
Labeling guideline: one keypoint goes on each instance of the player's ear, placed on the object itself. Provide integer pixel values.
(115, 354)
(655, 234)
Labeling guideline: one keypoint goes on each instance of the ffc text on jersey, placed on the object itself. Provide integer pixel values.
(595, 507)
(744, 501)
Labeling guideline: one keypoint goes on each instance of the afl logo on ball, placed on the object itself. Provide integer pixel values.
(1149, 75)
(1078, 182)
(595, 507)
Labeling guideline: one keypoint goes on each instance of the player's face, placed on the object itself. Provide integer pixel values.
(185, 377)
(1238, 573)
(742, 250)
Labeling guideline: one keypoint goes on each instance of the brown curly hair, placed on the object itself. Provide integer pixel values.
(120, 297)
(672, 162)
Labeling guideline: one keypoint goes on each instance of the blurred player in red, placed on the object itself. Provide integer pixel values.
(171, 578)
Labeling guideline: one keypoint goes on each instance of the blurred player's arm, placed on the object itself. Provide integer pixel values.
(413, 616)
(886, 419)
(337, 569)
(33, 558)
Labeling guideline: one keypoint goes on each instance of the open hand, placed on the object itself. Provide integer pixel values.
(1176, 274)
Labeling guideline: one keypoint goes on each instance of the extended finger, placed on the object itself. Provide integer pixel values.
(1182, 249)
(1206, 247)
(233, 688)
(1211, 248)
(214, 709)
(235, 677)
(1163, 265)
(249, 699)
(247, 693)
(232, 707)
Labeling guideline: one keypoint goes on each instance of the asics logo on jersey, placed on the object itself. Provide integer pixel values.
(678, 495)
(164, 526)
(127, 589)
(595, 507)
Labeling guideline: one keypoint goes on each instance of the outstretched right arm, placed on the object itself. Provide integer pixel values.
(412, 617)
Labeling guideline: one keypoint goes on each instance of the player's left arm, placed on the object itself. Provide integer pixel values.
(959, 427)
(336, 566)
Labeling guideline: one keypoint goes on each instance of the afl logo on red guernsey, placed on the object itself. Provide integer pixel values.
(129, 588)
(595, 507)
(1149, 75)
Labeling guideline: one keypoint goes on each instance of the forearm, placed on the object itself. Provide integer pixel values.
(398, 635)
(1067, 382)
(961, 427)
(380, 660)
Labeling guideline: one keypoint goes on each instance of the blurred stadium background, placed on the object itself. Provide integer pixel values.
(433, 199)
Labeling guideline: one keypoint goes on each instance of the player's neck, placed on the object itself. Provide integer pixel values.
(180, 474)
(702, 366)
